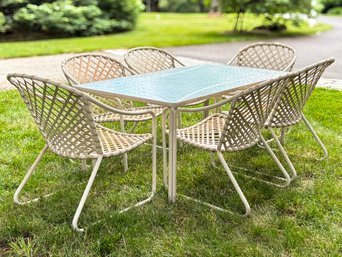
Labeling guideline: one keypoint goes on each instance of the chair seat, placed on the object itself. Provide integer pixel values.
(115, 143)
(110, 116)
(205, 134)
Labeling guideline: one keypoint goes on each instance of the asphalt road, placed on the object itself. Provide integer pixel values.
(309, 49)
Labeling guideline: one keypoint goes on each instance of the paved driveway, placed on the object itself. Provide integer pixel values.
(309, 49)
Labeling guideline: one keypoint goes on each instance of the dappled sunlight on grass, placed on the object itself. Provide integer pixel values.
(300, 220)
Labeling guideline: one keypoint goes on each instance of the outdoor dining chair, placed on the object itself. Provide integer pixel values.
(64, 118)
(151, 59)
(293, 100)
(87, 68)
(239, 128)
(263, 55)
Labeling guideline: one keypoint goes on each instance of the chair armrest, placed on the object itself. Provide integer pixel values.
(232, 60)
(207, 108)
(119, 111)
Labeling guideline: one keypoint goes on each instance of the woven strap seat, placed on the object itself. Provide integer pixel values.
(273, 56)
(110, 116)
(115, 143)
(205, 134)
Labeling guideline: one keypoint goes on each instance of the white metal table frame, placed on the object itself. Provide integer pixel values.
(194, 83)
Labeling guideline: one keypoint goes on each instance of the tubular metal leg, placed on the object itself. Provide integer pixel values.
(154, 174)
(274, 157)
(85, 195)
(26, 178)
(125, 157)
(235, 184)
(212, 160)
(326, 155)
(206, 113)
(172, 154)
(165, 177)
(83, 164)
(282, 135)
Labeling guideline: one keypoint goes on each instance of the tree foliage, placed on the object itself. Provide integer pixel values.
(70, 17)
(271, 9)
(329, 4)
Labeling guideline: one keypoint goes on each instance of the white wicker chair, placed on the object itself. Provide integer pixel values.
(150, 59)
(86, 68)
(238, 129)
(293, 100)
(272, 56)
(64, 118)
(263, 55)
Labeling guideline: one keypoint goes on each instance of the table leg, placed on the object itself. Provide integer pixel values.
(172, 154)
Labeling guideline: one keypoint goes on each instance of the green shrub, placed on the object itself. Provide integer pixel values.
(73, 17)
(335, 11)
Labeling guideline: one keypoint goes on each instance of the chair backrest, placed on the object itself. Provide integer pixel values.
(85, 68)
(273, 56)
(295, 95)
(62, 114)
(248, 113)
(149, 59)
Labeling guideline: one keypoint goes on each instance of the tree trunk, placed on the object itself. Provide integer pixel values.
(201, 5)
(236, 24)
(154, 5)
(215, 7)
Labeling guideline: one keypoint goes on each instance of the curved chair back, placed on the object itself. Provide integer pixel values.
(295, 95)
(248, 113)
(62, 115)
(85, 68)
(273, 56)
(150, 59)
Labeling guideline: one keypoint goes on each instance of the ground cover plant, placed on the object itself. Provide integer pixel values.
(301, 220)
(159, 29)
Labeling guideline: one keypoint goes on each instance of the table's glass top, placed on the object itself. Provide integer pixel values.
(180, 85)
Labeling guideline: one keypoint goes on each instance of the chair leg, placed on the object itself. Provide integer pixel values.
(274, 157)
(282, 136)
(326, 155)
(154, 176)
(125, 157)
(164, 150)
(85, 195)
(26, 178)
(83, 164)
(235, 184)
(206, 113)
(212, 160)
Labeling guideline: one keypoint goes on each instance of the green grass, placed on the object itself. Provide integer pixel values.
(303, 219)
(168, 30)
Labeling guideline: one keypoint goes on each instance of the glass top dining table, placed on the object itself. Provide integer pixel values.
(177, 87)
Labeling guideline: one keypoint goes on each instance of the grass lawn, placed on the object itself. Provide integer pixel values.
(303, 219)
(165, 29)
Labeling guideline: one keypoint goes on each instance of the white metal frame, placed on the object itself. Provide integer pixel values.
(12, 78)
(173, 151)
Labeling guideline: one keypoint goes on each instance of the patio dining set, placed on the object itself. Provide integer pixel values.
(254, 92)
